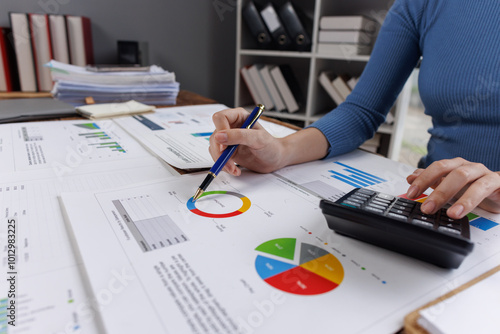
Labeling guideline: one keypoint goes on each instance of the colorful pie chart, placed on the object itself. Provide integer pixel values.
(309, 271)
(245, 205)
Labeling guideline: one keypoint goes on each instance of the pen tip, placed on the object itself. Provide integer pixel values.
(197, 195)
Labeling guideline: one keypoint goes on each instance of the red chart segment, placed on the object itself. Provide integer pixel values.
(311, 271)
(301, 281)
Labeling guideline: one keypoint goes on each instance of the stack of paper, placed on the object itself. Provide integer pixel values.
(74, 83)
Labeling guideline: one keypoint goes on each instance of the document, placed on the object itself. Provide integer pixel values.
(181, 135)
(253, 255)
(38, 161)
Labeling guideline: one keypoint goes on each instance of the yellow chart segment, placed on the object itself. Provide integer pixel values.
(327, 267)
(246, 204)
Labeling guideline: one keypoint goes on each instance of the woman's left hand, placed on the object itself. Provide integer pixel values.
(471, 184)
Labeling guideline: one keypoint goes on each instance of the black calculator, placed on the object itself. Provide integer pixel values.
(398, 224)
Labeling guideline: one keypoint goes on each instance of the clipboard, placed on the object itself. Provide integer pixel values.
(410, 322)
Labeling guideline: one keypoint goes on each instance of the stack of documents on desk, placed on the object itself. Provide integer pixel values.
(74, 83)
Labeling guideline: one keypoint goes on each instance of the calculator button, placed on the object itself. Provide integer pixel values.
(366, 191)
(358, 198)
(353, 204)
(398, 216)
(422, 223)
(450, 225)
(399, 212)
(386, 197)
(376, 210)
(353, 199)
(401, 207)
(404, 200)
(424, 218)
(381, 207)
(448, 230)
(406, 204)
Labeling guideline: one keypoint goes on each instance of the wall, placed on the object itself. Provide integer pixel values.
(196, 39)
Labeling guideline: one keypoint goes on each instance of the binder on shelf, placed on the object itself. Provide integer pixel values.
(80, 40)
(256, 25)
(59, 38)
(352, 22)
(42, 49)
(254, 72)
(265, 74)
(275, 27)
(325, 79)
(287, 86)
(9, 80)
(250, 85)
(24, 54)
(293, 25)
(352, 82)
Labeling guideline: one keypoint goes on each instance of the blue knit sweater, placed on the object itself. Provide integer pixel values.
(459, 81)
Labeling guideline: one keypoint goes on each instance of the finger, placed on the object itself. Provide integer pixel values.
(433, 174)
(230, 118)
(452, 184)
(410, 178)
(253, 138)
(474, 195)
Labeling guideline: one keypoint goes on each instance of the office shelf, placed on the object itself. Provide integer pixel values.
(308, 65)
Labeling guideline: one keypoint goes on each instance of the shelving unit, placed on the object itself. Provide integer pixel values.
(308, 65)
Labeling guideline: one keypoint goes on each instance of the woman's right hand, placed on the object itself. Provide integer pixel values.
(258, 150)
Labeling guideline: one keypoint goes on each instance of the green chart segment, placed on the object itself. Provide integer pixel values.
(312, 271)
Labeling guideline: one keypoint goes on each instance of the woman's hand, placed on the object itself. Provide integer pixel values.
(471, 184)
(258, 150)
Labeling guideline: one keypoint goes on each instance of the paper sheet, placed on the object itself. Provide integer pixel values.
(256, 257)
(39, 161)
(180, 135)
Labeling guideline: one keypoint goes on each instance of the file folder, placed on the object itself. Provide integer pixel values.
(293, 25)
(256, 25)
(275, 27)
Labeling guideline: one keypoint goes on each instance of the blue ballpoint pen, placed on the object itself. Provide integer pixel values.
(228, 152)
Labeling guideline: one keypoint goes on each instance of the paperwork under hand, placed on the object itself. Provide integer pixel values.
(180, 135)
(255, 255)
(38, 161)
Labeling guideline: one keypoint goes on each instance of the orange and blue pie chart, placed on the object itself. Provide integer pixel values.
(245, 205)
(298, 268)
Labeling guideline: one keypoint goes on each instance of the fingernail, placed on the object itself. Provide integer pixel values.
(456, 210)
(412, 192)
(428, 206)
(221, 147)
(221, 137)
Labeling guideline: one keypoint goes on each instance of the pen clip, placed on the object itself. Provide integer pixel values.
(256, 116)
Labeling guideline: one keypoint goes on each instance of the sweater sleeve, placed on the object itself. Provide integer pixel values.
(395, 54)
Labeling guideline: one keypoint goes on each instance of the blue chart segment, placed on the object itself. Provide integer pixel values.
(148, 123)
(481, 222)
(205, 135)
(355, 177)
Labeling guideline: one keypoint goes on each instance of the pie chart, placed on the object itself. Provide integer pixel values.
(298, 268)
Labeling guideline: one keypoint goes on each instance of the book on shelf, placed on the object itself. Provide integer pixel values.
(347, 22)
(275, 27)
(279, 104)
(288, 86)
(343, 50)
(80, 40)
(24, 54)
(42, 49)
(326, 78)
(295, 23)
(9, 79)
(352, 82)
(341, 86)
(254, 72)
(59, 38)
(250, 85)
(345, 36)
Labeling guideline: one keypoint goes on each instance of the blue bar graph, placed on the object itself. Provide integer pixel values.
(355, 177)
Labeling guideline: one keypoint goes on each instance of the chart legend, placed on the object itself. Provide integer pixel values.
(298, 268)
(355, 177)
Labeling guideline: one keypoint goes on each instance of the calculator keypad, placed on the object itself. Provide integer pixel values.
(401, 209)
